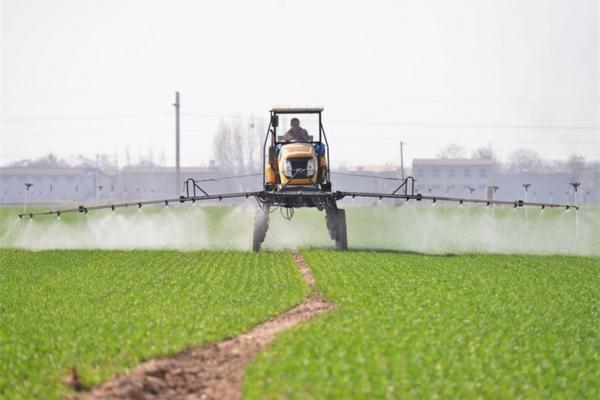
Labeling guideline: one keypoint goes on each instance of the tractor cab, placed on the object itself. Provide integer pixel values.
(296, 151)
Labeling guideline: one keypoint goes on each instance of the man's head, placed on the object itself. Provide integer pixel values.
(295, 123)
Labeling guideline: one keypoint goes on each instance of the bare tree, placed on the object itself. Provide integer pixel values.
(575, 165)
(453, 150)
(524, 160)
(485, 153)
(102, 161)
(48, 161)
(237, 147)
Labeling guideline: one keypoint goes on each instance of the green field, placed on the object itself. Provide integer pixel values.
(106, 311)
(420, 315)
(419, 326)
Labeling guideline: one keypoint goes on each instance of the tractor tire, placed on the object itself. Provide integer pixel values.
(261, 225)
(341, 240)
(331, 222)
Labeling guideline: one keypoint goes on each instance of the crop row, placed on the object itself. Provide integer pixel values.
(106, 311)
(419, 326)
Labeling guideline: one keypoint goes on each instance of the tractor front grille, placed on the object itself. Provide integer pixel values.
(297, 164)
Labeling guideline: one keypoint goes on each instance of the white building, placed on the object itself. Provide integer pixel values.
(452, 177)
(61, 184)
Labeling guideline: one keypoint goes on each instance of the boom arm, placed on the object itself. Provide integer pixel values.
(301, 198)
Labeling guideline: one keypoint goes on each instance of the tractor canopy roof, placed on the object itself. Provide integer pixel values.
(296, 110)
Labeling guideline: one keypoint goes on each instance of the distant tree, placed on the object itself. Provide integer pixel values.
(238, 148)
(102, 161)
(147, 160)
(453, 150)
(524, 160)
(575, 164)
(485, 153)
(48, 161)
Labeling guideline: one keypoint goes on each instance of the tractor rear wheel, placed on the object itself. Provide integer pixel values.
(341, 240)
(335, 220)
(331, 222)
(261, 225)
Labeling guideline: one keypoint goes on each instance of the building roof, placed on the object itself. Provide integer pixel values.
(452, 162)
(155, 169)
(27, 171)
(374, 168)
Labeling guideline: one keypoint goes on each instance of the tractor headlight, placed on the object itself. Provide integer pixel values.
(287, 169)
(310, 168)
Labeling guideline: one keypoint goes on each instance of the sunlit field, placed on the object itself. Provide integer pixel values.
(441, 301)
(105, 311)
(422, 326)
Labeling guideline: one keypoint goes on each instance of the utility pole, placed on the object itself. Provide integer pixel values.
(402, 159)
(177, 165)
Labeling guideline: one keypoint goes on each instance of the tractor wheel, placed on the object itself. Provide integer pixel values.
(331, 222)
(341, 241)
(261, 225)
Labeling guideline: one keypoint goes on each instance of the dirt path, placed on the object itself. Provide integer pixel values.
(214, 371)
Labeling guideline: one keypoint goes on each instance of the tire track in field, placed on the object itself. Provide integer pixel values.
(215, 371)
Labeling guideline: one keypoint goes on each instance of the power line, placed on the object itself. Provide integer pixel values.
(426, 125)
(430, 138)
(78, 133)
(474, 126)
(341, 122)
(345, 138)
(83, 117)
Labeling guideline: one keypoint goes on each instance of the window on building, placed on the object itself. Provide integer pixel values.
(435, 172)
(467, 172)
(451, 173)
(482, 173)
(420, 173)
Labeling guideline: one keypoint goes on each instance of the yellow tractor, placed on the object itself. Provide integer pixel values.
(296, 174)
(296, 162)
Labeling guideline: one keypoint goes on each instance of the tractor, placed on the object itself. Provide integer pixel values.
(293, 167)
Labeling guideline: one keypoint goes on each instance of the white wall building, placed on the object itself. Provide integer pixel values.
(48, 184)
(452, 177)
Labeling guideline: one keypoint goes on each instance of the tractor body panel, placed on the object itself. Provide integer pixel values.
(297, 164)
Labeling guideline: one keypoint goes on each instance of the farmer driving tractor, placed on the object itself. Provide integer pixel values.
(296, 133)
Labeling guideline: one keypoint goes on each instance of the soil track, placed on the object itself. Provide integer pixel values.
(214, 371)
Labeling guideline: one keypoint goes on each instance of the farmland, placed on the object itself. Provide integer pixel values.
(106, 311)
(432, 320)
(421, 326)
